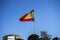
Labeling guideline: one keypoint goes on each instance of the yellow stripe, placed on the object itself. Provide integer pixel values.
(30, 15)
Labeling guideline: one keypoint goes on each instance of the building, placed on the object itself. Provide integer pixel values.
(12, 37)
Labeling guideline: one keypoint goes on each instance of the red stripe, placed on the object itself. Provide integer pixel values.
(23, 17)
(24, 20)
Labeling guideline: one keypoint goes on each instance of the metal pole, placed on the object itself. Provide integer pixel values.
(34, 27)
(34, 24)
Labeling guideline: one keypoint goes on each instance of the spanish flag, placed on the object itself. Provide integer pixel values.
(28, 17)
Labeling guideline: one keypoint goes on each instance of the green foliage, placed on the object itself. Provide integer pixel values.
(45, 36)
(33, 37)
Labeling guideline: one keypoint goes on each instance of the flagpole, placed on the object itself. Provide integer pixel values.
(34, 24)
(34, 27)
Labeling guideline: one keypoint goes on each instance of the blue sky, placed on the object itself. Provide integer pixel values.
(47, 17)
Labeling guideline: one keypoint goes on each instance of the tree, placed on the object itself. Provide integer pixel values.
(33, 37)
(56, 38)
(45, 36)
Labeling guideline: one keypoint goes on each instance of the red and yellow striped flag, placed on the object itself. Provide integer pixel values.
(28, 17)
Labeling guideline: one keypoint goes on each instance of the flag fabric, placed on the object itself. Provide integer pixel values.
(28, 17)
